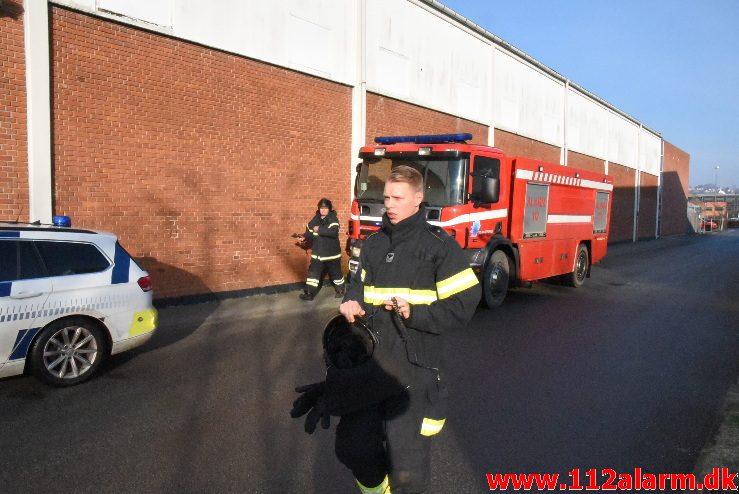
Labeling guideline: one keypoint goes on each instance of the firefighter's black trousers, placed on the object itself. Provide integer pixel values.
(385, 440)
(315, 273)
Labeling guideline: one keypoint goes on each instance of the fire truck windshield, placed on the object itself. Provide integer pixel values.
(444, 178)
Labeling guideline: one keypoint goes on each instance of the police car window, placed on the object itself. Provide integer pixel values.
(30, 263)
(8, 260)
(65, 258)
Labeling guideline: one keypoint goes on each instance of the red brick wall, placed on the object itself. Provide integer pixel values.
(515, 145)
(387, 116)
(585, 162)
(647, 226)
(203, 162)
(13, 134)
(676, 168)
(622, 216)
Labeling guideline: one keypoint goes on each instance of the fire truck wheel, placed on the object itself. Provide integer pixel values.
(495, 285)
(582, 261)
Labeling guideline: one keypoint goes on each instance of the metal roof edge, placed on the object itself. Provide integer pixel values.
(518, 52)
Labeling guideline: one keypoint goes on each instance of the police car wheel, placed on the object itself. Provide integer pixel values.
(582, 261)
(495, 285)
(68, 352)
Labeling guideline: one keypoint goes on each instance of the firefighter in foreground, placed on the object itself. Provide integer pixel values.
(412, 285)
(322, 233)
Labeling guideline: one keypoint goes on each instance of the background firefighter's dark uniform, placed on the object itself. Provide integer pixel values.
(325, 251)
(393, 403)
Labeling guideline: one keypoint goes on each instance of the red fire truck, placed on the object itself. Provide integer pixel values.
(519, 219)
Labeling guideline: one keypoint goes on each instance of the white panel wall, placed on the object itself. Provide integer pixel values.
(157, 12)
(86, 5)
(650, 152)
(589, 132)
(412, 52)
(587, 125)
(526, 101)
(312, 36)
(622, 141)
(417, 56)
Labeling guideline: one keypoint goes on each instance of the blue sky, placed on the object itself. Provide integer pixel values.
(671, 64)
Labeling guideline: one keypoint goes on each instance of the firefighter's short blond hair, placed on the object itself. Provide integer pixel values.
(409, 175)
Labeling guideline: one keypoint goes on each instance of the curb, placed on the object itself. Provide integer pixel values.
(247, 307)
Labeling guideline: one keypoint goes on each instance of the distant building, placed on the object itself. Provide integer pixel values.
(706, 189)
(717, 207)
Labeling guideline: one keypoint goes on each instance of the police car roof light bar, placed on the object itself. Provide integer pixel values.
(424, 139)
(62, 221)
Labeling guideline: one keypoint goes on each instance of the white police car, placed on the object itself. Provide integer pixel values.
(68, 299)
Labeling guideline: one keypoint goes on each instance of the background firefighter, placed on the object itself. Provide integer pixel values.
(322, 232)
(413, 284)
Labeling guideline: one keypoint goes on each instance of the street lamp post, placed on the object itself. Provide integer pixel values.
(715, 180)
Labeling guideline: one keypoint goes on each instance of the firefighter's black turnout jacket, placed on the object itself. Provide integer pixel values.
(325, 242)
(423, 265)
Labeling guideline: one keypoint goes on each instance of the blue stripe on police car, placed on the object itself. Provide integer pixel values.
(22, 342)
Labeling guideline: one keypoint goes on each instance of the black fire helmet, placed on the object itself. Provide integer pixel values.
(347, 345)
(325, 203)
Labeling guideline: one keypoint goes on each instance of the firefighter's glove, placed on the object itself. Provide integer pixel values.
(317, 413)
(311, 402)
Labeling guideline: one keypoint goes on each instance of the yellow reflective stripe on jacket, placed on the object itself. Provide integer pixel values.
(333, 225)
(376, 296)
(364, 273)
(382, 488)
(457, 283)
(429, 427)
(327, 258)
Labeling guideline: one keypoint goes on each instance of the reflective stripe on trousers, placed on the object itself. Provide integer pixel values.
(431, 427)
(326, 258)
(312, 282)
(382, 488)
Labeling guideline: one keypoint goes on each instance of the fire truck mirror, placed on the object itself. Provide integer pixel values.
(485, 189)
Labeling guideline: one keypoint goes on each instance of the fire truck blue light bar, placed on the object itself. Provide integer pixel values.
(424, 139)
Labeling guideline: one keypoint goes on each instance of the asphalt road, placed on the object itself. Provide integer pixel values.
(627, 372)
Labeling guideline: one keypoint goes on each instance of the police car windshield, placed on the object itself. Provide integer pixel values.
(444, 178)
